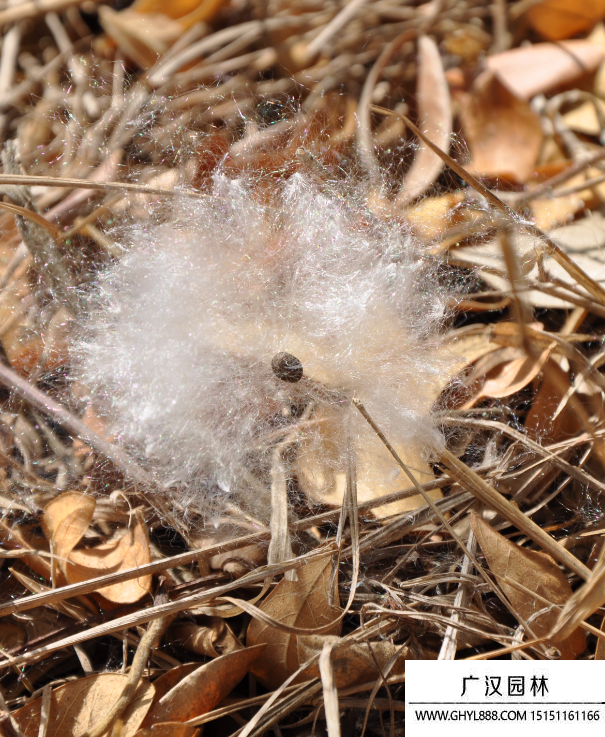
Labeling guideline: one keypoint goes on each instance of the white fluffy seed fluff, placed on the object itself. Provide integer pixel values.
(181, 332)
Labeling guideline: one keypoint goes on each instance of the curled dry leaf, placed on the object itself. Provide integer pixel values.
(78, 705)
(65, 520)
(200, 691)
(352, 662)
(213, 640)
(528, 70)
(503, 133)
(304, 603)
(435, 116)
(535, 572)
(130, 551)
(559, 19)
(508, 376)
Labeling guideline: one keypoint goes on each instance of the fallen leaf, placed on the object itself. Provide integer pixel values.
(559, 19)
(304, 604)
(212, 641)
(435, 120)
(144, 38)
(65, 520)
(130, 551)
(170, 678)
(147, 29)
(528, 70)
(584, 119)
(510, 376)
(583, 240)
(321, 468)
(539, 423)
(430, 216)
(204, 688)
(78, 705)
(556, 210)
(503, 133)
(168, 729)
(188, 11)
(535, 571)
(352, 663)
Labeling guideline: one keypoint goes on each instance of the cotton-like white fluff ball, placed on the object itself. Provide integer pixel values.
(181, 333)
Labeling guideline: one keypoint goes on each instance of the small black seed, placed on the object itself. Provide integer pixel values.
(287, 367)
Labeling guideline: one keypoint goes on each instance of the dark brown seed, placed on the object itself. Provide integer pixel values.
(287, 367)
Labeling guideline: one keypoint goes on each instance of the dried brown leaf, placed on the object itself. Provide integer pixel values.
(130, 551)
(535, 572)
(65, 520)
(213, 640)
(539, 423)
(352, 663)
(321, 468)
(171, 677)
(435, 116)
(503, 133)
(78, 705)
(529, 70)
(511, 376)
(559, 19)
(204, 688)
(303, 603)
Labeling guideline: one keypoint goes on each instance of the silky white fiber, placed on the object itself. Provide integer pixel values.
(177, 345)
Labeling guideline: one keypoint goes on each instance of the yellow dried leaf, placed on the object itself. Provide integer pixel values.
(303, 603)
(556, 210)
(535, 572)
(321, 468)
(435, 115)
(430, 216)
(584, 119)
(79, 705)
(131, 551)
(65, 520)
